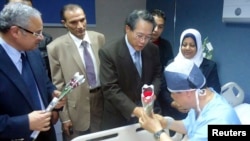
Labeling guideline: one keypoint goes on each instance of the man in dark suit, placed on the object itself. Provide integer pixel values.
(42, 46)
(20, 114)
(121, 81)
(165, 48)
(166, 54)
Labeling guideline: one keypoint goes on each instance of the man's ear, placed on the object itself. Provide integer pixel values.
(14, 31)
(127, 29)
(64, 23)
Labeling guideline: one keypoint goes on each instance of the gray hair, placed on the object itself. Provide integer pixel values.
(136, 15)
(16, 13)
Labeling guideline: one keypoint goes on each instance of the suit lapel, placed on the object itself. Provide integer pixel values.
(94, 47)
(147, 59)
(9, 68)
(126, 58)
(36, 67)
(74, 53)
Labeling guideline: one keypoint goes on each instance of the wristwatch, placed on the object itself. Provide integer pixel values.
(158, 134)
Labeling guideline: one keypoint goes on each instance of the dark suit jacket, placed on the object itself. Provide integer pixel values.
(121, 83)
(166, 52)
(15, 103)
(42, 46)
(209, 70)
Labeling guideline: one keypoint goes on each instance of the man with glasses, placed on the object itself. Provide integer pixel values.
(25, 89)
(126, 65)
(36, 34)
(43, 44)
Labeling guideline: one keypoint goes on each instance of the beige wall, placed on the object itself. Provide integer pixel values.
(110, 16)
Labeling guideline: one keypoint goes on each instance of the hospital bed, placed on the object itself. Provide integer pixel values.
(235, 96)
(231, 91)
(126, 133)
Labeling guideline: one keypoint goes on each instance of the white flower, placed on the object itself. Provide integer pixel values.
(73, 83)
(207, 49)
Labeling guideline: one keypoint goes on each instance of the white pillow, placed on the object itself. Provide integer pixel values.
(243, 112)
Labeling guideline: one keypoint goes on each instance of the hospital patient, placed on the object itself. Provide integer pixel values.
(188, 88)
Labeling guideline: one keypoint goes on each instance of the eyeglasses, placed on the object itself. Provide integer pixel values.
(141, 37)
(33, 33)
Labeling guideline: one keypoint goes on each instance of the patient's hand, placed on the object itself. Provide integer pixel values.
(161, 119)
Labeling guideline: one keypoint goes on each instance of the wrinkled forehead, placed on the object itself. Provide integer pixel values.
(36, 23)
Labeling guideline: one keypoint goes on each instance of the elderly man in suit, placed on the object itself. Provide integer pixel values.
(77, 51)
(47, 38)
(25, 89)
(126, 65)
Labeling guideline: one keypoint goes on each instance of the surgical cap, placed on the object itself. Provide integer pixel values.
(183, 75)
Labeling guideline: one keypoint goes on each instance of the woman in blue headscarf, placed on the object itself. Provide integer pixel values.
(191, 48)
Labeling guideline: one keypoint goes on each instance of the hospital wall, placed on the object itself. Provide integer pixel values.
(230, 41)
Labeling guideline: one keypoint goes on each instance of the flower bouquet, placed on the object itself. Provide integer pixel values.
(147, 98)
(73, 83)
(207, 49)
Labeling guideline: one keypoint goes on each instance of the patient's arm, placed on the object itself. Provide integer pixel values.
(175, 125)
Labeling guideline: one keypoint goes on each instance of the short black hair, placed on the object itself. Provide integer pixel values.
(136, 15)
(159, 13)
(68, 7)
